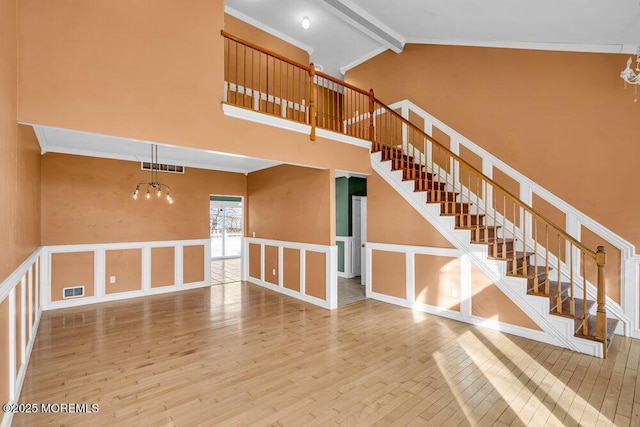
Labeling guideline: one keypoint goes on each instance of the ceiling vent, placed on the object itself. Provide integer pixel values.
(162, 167)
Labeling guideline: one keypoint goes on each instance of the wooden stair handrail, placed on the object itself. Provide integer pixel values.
(264, 50)
(516, 199)
(341, 83)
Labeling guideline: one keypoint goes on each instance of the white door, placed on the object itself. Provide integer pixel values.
(354, 253)
(363, 240)
(226, 219)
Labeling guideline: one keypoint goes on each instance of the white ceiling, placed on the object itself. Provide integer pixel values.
(67, 141)
(346, 32)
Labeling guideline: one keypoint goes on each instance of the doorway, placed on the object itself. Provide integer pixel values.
(351, 194)
(226, 225)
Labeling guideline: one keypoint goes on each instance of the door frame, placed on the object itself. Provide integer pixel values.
(225, 204)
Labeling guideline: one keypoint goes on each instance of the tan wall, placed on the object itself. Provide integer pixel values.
(126, 266)
(70, 270)
(315, 281)
(193, 264)
(291, 266)
(391, 219)
(254, 261)
(89, 200)
(8, 134)
(8, 174)
(490, 302)
(271, 264)
(563, 119)
(4, 351)
(437, 278)
(388, 273)
(162, 267)
(19, 191)
(293, 204)
(150, 70)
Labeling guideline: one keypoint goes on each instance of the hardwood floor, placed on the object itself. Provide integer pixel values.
(238, 354)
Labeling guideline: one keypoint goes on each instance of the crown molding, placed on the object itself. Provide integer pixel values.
(365, 58)
(267, 29)
(550, 46)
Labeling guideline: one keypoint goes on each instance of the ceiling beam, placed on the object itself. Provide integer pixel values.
(367, 24)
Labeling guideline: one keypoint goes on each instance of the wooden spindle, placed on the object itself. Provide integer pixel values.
(312, 102)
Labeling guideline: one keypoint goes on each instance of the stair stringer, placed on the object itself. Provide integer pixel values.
(560, 330)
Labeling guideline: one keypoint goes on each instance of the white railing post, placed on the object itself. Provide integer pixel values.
(12, 344)
(331, 265)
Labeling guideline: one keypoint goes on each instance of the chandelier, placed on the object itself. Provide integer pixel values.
(154, 185)
(631, 76)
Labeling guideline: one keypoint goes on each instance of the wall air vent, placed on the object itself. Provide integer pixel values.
(162, 167)
(74, 292)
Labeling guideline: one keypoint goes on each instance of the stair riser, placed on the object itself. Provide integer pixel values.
(464, 221)
(415, 174)
(423, 184)
(500, 250)
(520, 262)
(398, 164)
(450, 208)
(389, 155)
(441, 196)
(483, 235)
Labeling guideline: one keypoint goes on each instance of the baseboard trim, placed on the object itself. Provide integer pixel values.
(123, 295)
(291, 293)
(495, 325)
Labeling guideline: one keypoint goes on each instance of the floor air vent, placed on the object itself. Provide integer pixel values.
(163, 168)
(76, 291)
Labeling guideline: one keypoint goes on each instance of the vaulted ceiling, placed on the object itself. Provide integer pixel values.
(343, 33)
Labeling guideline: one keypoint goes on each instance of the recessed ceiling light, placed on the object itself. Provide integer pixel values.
(306, 23)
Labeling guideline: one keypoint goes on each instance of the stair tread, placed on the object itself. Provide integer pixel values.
(611, 327)
(531, 272)
(553, 289)
(510, 257)
(566, 308)
(500, 241)
(477, 227)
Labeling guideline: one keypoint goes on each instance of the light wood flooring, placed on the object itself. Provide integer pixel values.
(225, 271)
(238, 354)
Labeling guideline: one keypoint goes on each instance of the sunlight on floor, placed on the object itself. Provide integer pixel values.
(225, 271)
(529, 392)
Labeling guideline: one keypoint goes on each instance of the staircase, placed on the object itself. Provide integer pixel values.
(520, 264)
(553, 277)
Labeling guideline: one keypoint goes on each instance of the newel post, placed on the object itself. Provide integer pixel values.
(312, 101)
(372, 108)
(601, 314)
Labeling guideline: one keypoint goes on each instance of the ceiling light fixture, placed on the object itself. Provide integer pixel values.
(154, 184)
(306, 23)
(631, 77)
